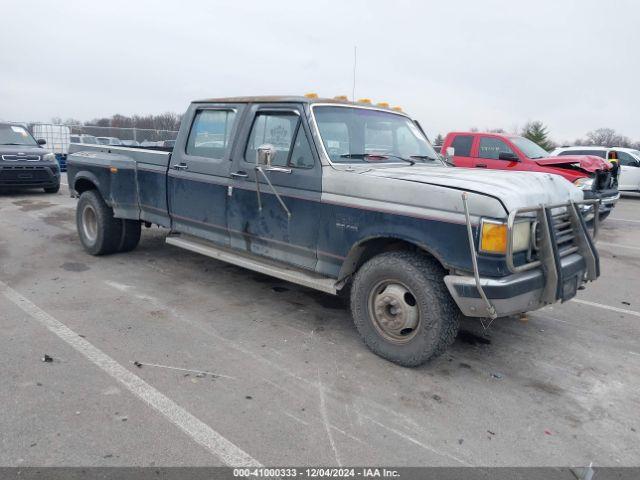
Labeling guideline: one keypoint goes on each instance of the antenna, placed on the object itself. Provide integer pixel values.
(355, 57)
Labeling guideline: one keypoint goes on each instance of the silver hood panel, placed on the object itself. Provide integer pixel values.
(436, 192)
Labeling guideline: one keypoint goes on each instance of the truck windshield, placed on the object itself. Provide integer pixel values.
(15, 135)
(529, 148)
(360, 135)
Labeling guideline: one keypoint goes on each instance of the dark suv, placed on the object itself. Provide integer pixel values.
(24, 163)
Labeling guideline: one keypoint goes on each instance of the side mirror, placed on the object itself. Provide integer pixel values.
(41, 141)
(450, 151)
(508, 156)
(265, 155)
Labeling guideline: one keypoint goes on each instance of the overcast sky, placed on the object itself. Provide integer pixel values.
(451, 64)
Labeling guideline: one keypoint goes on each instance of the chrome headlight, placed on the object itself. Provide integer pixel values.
(521, 236)
(49, 157)
(585, 183)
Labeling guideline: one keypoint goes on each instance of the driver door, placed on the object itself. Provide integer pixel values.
(278, 218)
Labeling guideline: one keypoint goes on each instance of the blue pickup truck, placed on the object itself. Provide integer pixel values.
(347, 198)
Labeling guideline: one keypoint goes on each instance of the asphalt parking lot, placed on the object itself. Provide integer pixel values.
(235, 366)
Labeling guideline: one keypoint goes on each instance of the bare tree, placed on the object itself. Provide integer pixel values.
(607, 137)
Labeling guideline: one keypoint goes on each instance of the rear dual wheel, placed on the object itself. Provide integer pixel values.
(402, 308)
(100, 232)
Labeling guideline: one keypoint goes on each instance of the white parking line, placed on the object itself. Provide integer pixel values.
(607, 307)
(619, 245)
(199, 431)
(624, 220)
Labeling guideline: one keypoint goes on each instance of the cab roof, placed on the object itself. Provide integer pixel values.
(294, 99)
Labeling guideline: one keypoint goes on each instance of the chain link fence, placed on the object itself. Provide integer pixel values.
(58, 137)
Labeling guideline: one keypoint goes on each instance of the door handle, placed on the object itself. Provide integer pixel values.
(481, 165)
(180, 166)
(240, 174)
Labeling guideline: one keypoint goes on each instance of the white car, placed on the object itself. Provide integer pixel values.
(628, 158)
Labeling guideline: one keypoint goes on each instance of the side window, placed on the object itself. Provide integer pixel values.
(625, 159)
(492, 147)
(275, 128)
(462, 145)
(210, 133)
(301, 156)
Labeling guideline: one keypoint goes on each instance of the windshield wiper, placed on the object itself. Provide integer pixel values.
(365, 156)
(23, 144)
(424, 157)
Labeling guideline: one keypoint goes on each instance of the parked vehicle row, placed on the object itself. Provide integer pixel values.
(592, 174)
(352, 200)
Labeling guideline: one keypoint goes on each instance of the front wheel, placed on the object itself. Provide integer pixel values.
(402, 308)
(100, 232)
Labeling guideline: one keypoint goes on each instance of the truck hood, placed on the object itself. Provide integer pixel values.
(587, 163)
(513, 189)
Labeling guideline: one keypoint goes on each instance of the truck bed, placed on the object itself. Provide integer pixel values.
(131, 180)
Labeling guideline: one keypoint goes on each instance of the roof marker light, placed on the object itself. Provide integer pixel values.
(397, 109)
(311, 95)
(342, 98)
(383, 104)
(364, 100)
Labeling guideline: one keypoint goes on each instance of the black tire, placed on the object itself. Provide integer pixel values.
(130, 235)
(55, 189)
(100, 232)
(438, 315)
(603, 215)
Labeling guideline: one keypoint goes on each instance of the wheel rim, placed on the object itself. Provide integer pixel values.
(90, 223)
(394, 311)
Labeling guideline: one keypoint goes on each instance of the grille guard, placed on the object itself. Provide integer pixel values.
(548, 252)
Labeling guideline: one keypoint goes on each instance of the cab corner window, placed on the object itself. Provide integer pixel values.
(462, 145)
(210, 133)
(301, 156)
(492, 148)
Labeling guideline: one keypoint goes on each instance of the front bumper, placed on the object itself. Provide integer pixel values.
(29, 174)
(608, 198)
(561, 257)
(516, 293)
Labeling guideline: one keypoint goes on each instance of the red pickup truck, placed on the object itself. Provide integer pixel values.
(511, 152)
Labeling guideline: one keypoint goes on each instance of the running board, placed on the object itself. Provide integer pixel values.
(253, 262)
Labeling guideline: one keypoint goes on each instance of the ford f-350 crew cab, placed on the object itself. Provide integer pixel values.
(345, 197)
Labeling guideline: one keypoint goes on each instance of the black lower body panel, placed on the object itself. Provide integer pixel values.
(29, 176)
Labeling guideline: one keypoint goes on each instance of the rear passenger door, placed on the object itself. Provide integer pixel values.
(277, 221)
(198, 175)
(463, 147)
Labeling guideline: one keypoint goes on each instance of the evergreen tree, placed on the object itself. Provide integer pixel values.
(538, 133)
